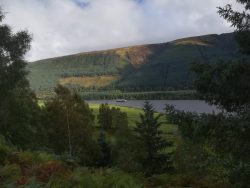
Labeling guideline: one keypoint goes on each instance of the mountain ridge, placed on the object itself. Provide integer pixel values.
(125, 47)
(150, 67)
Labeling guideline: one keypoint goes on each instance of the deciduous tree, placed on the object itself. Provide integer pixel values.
(19, 112)
(69, 125)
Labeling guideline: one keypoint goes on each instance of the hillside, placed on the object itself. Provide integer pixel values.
(154, 67)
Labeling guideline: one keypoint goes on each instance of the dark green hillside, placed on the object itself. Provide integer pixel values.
(169, 68)
(157, 67)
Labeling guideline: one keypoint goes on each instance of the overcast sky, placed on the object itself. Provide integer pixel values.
(61, 27)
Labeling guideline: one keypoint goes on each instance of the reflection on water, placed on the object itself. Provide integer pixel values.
(186, 105)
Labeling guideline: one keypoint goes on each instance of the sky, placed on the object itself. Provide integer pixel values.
(62, 27)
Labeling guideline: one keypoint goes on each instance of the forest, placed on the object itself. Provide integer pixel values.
(129, 70)
(63, 142)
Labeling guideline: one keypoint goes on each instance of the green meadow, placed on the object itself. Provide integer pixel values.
(133, 116)
(170, 130)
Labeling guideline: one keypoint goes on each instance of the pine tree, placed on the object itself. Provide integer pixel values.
(105, 150)
(119, 119)
(105, 117)
(150, 135)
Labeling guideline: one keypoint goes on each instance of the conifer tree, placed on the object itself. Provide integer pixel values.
(119, 119)
(105, 150)
(149, 134)
(105, 117)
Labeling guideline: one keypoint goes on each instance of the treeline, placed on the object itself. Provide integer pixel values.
(89, 94)
(157, 95)
(114, 86)
(94, 93)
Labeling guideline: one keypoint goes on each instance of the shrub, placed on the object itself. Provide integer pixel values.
(45, 171)
(9, 174)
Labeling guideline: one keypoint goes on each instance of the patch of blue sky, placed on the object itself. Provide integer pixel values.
(82, 3)
(140, 1)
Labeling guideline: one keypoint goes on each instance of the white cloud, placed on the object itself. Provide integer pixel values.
(61, 27)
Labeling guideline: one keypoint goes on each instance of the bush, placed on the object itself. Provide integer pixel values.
(103, 178)
(9, 174)
(45, 171)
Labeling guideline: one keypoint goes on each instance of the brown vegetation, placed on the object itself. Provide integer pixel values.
(89, 81)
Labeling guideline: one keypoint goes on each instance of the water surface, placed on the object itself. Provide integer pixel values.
(186, 105)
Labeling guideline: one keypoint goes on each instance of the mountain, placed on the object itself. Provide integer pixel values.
(153, 67)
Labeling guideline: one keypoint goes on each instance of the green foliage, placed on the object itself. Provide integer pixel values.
(214, 144)
(13, 47)
(9, 174)
(192, 159)
(119, 119)
(150, 95)
(224, 84)
(239, 174)
(240, 20)
(226, 134)
(104, 150)
(111, 118)
(183, 180)
(19, 113)
(23, 119)
(105, 117)
(211, 150)
(217, 145)
(69, 122)
(5, 149)
(243, 38)
(120, 180)
(172, 115)
(127, 150)
(104, 179)
(154, 159)
(133, 114)
(60, 180)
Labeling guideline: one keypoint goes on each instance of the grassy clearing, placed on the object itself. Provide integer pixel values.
(133, 113)
(170, 131)
(134, 116)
